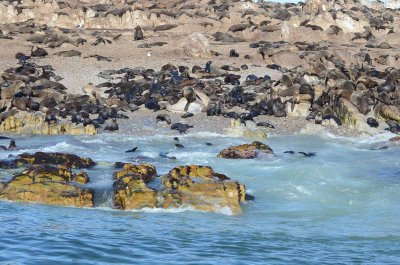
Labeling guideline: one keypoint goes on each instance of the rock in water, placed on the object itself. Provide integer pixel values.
(130, 189)
(48, 185)
(41, 158)
(198, 187)
(201, 188)
(245, 151)
(197, 46)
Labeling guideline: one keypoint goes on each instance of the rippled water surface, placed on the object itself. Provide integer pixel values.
(340, 207)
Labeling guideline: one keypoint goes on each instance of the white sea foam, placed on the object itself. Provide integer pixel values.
(62, 146)
(94, 141)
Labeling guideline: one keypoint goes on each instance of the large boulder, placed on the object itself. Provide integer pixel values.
(130, 189)
(34, 123)
(197, 187)
(201, 188)
(245, 151)
(47, 184)
(196, 46)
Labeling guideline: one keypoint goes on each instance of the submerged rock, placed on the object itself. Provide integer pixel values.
(48, 185)
(245, 151)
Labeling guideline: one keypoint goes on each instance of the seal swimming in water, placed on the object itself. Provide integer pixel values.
(132, 150)
(12, 145)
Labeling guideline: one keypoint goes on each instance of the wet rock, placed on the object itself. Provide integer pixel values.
(248, 129)
(34, 123)
(245, 151)
(41, 158)
(81, 178)
(198, 187)
(130, 189)
(46, 185)
(144, 171)
(10, 164)
(201, 188)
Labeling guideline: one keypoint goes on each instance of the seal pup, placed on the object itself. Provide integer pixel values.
(39, 52)
(233, 53)
(181, 127)
(265, 124)
(12, 145)
(187, 115)
(22, 58)
(138, 35)
(372, 122)
(190, 96)
(111, 125)
(163, 117)
(207, 69)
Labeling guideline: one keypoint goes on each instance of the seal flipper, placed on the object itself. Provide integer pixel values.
(187, 106)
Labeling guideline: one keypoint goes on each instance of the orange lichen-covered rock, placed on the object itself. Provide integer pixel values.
(47, 185)
(245, 151)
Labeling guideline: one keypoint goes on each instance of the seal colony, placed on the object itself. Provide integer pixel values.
(178, 67)
(332, 64)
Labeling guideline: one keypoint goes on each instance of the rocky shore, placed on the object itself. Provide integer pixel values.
(81, 67)
(164, 67)
(52, 178)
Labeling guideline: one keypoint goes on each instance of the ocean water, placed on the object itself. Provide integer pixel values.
(338, 207)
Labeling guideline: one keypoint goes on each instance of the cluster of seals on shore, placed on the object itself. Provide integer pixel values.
(31, 87)
(328, 89)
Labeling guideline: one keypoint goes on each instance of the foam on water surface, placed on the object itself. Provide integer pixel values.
(343, 200)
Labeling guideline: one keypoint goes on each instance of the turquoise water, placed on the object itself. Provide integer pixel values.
(339, 207)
